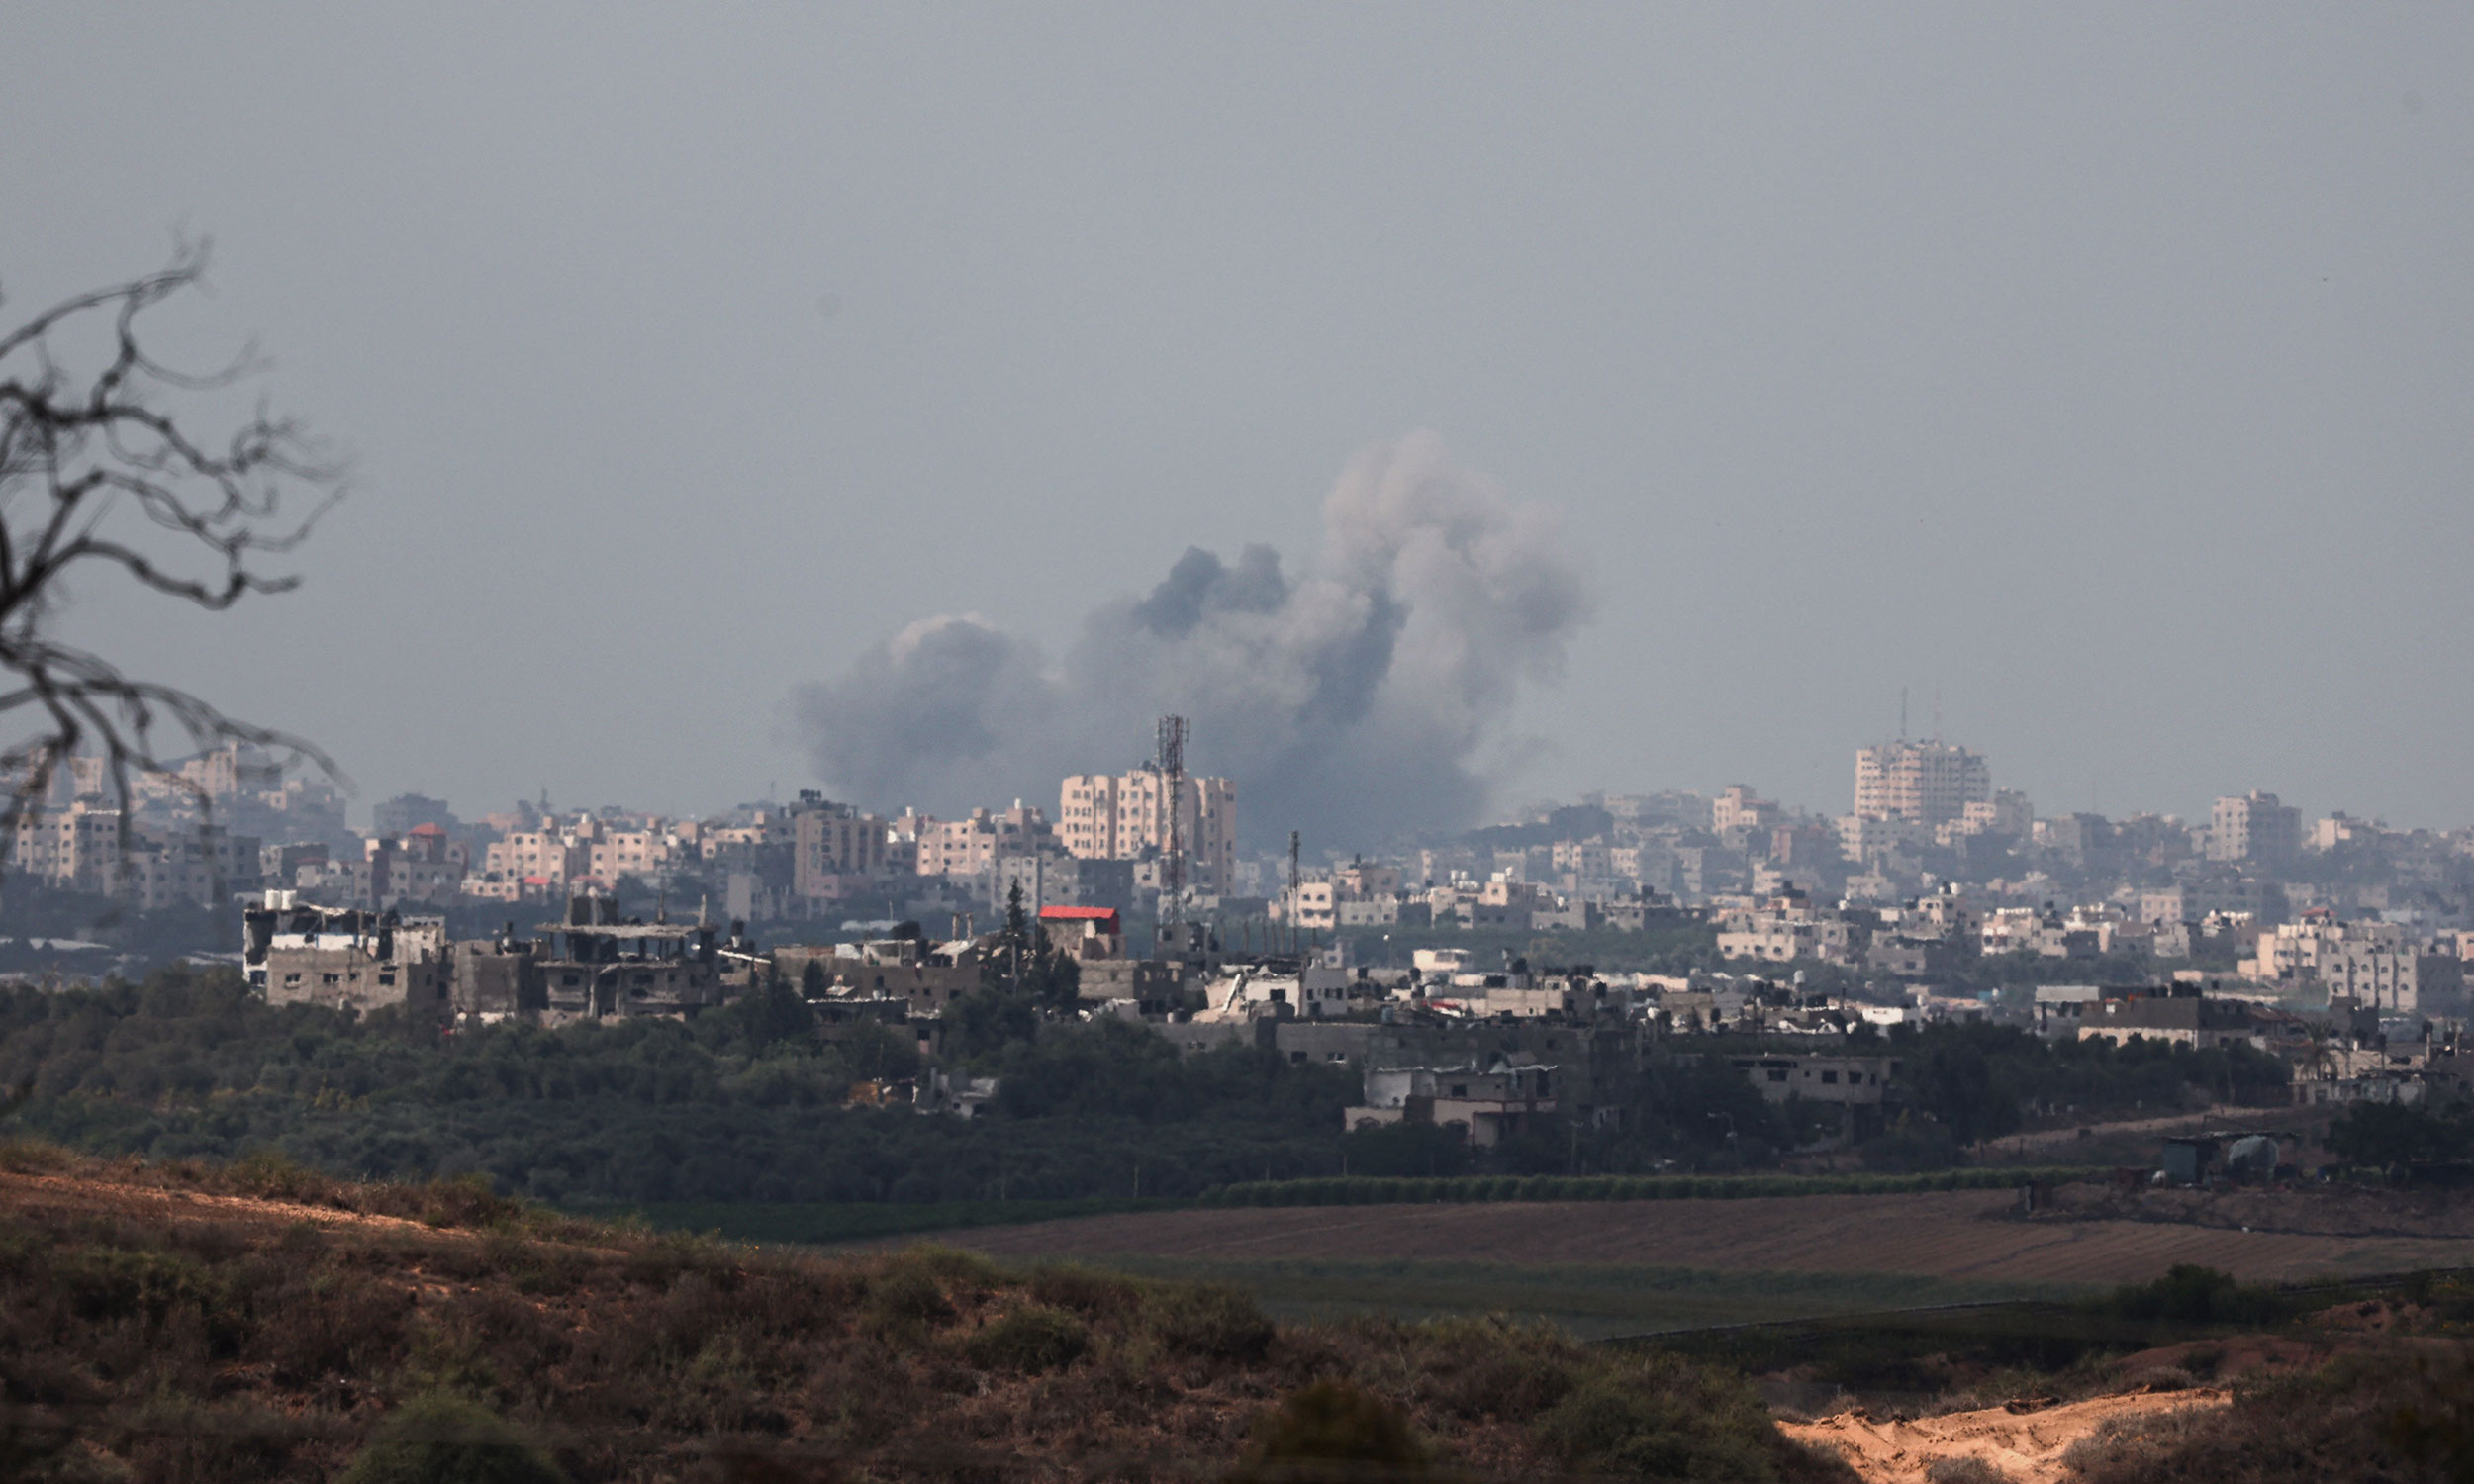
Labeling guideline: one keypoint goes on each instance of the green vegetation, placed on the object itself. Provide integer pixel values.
(2189, 1294)
(1966, 1083)
(440, 1436)
(2406, 1136)
(752, 1103)
(1360, 1191)
(747, 1104)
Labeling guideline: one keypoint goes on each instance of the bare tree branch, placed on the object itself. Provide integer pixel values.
(78, 460)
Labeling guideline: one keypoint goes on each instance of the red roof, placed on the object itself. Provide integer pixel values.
(1079, 914)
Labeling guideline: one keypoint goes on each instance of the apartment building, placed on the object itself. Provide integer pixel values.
(1124, 816)
(1785, 928)
(2253, 827)
(2376, 964)
(1927, 784)
(548, 854)
(81, 848)
(614, 853)
(1866, 838)
(1738, 807)
(973, 845)
(75, 848)
(833, 848)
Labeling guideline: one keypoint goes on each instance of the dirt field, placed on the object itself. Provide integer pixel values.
(2024, 1447)
(1957, 1234)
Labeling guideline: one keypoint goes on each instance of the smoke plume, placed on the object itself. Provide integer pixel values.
(1364, 697)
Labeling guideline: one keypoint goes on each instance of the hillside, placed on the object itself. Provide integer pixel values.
(257, 1322)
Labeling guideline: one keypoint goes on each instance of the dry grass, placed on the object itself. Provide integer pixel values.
(292, 1315)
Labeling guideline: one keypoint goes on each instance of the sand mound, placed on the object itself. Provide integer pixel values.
(2024, 1445)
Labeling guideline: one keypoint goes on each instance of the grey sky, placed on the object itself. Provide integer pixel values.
(2103, 370)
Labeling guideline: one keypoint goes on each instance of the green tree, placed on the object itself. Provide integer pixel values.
(2401, 1134)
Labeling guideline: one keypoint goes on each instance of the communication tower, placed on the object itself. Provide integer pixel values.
(1172, 765)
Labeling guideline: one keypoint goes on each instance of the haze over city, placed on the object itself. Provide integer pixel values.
(2092, 375)
(747, 743)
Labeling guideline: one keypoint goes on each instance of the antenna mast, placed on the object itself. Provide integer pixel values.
(1173, 793)
(1292, 889)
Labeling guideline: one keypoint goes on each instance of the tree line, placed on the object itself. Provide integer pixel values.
(752, 1100)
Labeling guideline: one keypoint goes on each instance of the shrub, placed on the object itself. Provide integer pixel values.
(1030, 1340)
(271, 1175)
(113, 1283)
(905, 1297)
(466, 1201)
(437, 1439)
(1082, 1290)
(1489, 1369)
(1662, 1418)
(33, 1156)
(1331, 1422)
(2192, 1294)
(1210, 1321)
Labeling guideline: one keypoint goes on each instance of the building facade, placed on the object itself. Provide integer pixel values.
(1126, 817)
(1928, 784)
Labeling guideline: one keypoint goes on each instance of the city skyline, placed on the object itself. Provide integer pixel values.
(1876, 357)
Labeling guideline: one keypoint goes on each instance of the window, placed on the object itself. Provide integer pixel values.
(1829, 1077)
(1777, 1073)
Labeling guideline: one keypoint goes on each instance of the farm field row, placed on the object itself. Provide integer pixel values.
(1591, 1301)
(1956, 1236)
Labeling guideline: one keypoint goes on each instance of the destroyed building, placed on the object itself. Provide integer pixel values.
(594, 967)
(497, 978)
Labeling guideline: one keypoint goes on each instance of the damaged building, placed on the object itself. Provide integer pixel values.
(347, 958)
(594, 967)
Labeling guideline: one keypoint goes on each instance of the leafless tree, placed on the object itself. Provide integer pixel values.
(99, 476)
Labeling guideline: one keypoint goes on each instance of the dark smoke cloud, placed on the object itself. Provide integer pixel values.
(1364, 699)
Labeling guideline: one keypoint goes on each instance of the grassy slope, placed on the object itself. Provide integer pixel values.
(257, 1322)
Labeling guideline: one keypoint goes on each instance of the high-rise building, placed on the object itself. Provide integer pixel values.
(1930, 783)
(2253, 827)
(831, 844)
(1124, 816)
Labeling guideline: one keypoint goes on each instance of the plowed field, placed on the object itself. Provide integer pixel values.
(1955, 1234)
